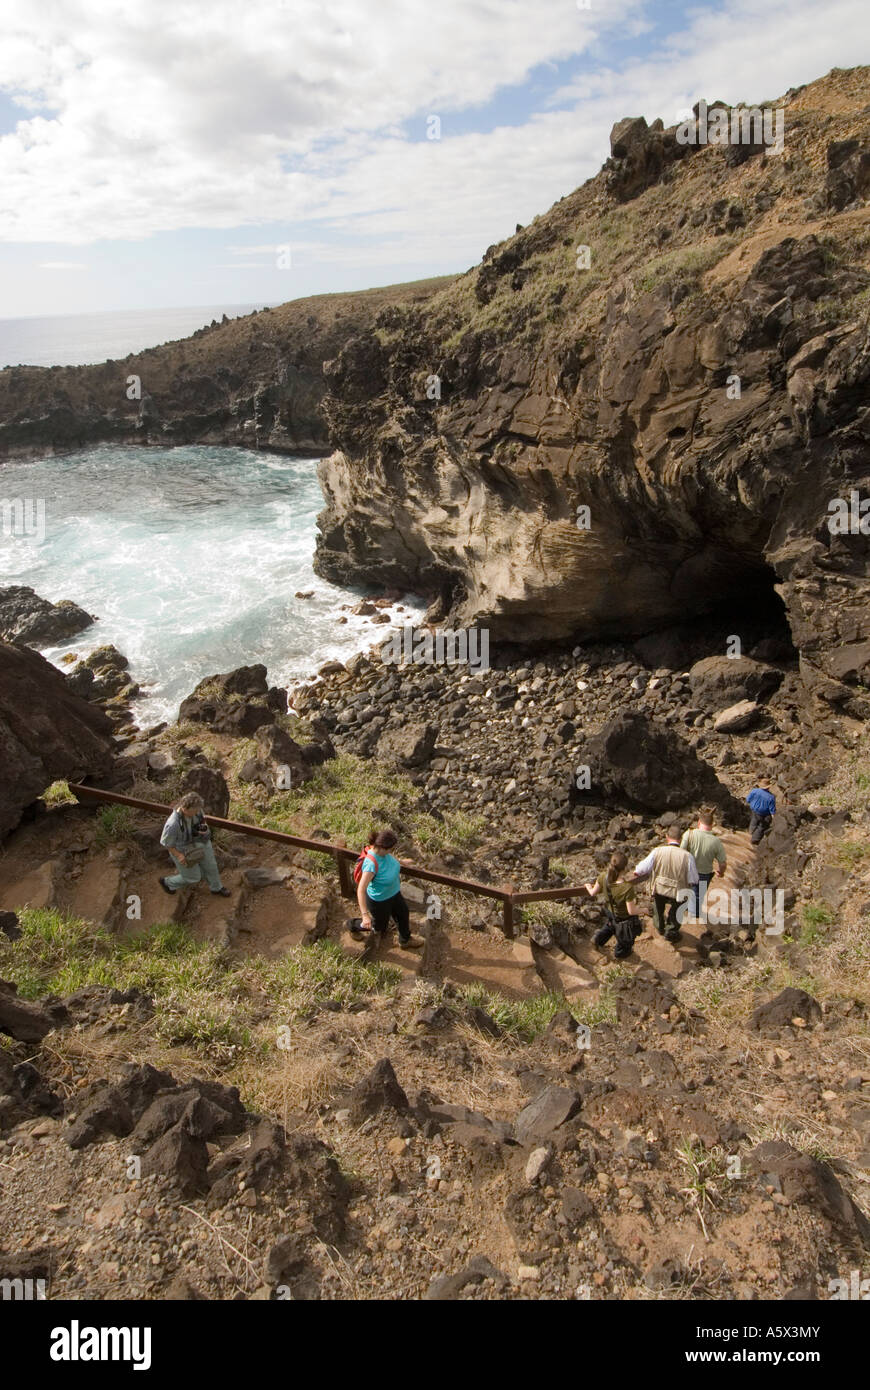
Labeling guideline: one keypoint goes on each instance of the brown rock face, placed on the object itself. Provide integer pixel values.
(46, 732)
(255, 381)
(556, 453)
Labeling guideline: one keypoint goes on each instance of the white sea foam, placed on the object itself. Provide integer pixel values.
(191, 559)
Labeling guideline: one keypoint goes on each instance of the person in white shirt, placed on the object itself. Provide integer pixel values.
(672, 873)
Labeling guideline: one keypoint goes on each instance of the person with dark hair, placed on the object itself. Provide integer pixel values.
(379, 891)
(763, 805)
(620, 906)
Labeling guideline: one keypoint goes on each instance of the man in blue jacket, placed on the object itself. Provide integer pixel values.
(763, 804)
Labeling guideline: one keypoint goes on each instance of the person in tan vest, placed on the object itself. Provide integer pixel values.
(672, 873)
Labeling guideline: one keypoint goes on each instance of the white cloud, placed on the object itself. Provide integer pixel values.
(62, 265)
(180, 115)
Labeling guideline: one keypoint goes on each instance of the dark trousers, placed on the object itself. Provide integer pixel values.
(667, 913)
(758, 827)
(394, 907)
(701, 891)
(625, 929)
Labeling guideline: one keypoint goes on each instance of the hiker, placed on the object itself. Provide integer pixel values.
(672, 872)
(708, 851)
(763, 804)
(619, 898)
(188, 839)
(379, 893)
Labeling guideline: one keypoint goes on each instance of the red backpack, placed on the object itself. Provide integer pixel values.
(358, 866)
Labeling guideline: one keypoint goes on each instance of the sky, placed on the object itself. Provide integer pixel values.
(194, 152)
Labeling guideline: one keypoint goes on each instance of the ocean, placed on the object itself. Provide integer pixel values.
(72, 340)
(190, 558)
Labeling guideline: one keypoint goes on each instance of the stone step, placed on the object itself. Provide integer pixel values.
(96, 895)
(272, 919)
(560, 974)
(33, 889)
(467, 958)
(385, 950)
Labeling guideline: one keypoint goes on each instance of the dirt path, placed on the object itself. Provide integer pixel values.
(118, 886)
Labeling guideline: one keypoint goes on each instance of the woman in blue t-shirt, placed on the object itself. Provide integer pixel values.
(379, 894)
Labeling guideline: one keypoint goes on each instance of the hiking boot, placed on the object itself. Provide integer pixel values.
(413, 943)
(220, 892)
(673, 934)
(165, 886)
(602, 936)
(621, 952)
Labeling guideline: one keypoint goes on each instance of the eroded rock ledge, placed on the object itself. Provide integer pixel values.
(619, 393)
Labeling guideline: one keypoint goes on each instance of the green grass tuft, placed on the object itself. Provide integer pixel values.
(114, 823)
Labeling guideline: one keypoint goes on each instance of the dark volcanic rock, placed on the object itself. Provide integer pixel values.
(379, 1090)
(719, 681)
(257, 380)
(788, 1004)
(698, 500)
(410, 746)
(637, 762)
(450, 1286)
(236, 703)
(806, 1180)
(179, 1156)
(27, 618)
(46, 732)
(112, 1109)
(24, 1093)
(9, 925)
(91, 1003)
(277, 751)
(257, 1166)
(639, 155)
(200, 1116)
(848, 177)
(550, 1108)
(20, 1019)
(211, 785)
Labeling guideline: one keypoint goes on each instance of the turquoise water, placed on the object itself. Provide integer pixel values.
(190, 559)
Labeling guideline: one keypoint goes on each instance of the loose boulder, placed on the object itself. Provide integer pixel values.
(638, 762)
(238, 702)
(410, 746)
(181, 1157)
(736, 718)
(805, 1180)
(718, 681)
(20, 1019)
(551, 1107)
(379, 1090)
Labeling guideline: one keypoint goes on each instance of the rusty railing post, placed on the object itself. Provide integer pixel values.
(507, 917)
(345, 878)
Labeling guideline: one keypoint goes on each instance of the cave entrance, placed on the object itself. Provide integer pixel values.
(732, 608)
